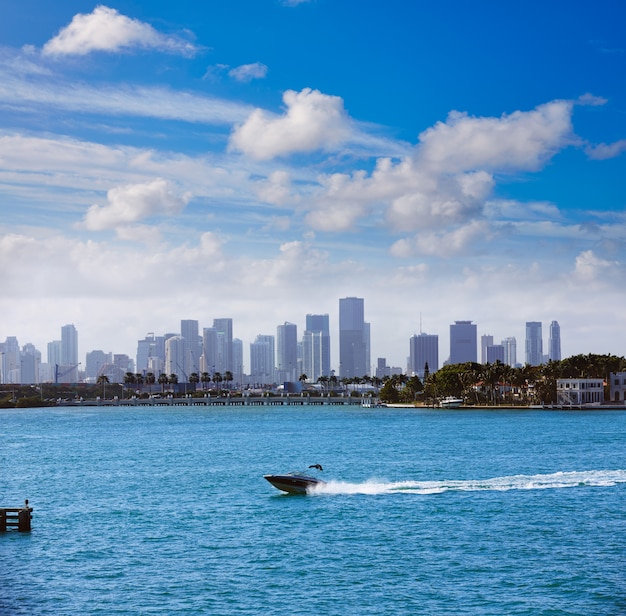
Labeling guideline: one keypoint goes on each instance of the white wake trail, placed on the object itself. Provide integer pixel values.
(565, 479)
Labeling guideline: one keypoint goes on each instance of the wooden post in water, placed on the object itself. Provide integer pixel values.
(23, 520)
(3, 521)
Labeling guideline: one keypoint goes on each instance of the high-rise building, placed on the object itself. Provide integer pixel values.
(176, 357)
(554, 342)
(224, 359)
(463, 342)
(209, 351)
(146, 349)
(68, 370)
(312, 353)
(237, 361)
(287, 352)
(534, 343)
(94, 364)
(189, 331)
(485, 341)
(510, 351)
(320, 323)
(495, 352)
(353, 338)
(30, 362)
(423, 349)
(11, 360)
(262, 359)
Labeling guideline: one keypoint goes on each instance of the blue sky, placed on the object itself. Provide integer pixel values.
(261, 159)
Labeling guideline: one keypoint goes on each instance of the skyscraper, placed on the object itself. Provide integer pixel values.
(554, 342)
(353, 338)
(262, 359)
(485, 341)
(423, 349)
(510, 351)
(224, 359)
(189, 331)
(287, 352)
(463, 342)
(69, 354)
(146, 349)
(534, 343)
(316, 351)
(176, 356)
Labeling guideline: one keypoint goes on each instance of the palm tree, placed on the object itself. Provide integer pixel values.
(323, 380)
(228, 378)
(217, 379)
(150, 379)
(103, 379)
(172, 378)
(205, 377)
(163, 381)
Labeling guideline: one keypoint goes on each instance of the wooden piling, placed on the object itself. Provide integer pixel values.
(16, 518)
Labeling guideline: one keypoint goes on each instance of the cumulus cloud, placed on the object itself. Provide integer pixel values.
(312, 121)
(132, 203)
(602, 151)
(449, 176)
(105, 29)
(591, 267)
(248, 72)
(276, 189)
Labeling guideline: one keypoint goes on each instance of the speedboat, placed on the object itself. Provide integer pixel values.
(296, 482)
(451, 402)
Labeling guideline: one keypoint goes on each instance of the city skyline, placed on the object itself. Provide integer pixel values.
(163, 161)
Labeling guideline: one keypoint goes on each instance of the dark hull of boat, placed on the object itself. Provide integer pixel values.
(293, 484)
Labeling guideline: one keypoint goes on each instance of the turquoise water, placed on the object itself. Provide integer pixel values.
(165, 511)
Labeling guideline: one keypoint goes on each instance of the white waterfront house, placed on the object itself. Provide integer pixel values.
(579, 392)
(617, 385)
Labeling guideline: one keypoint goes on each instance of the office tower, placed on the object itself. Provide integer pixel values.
(423, 349)
(353, 338)
(146, 349)
(11, 360)
(510, 351)
(237, 361)
(485, 341)
(189, 331)
(176, 356)
(312, 353)
(209, 351)
(320, 323)
(224, 358)
(494, 353)
(287, 352)
(30, 362)
(463, 342)
(262, 359)
(54, 352)
(95, 361)
(554, 342)
(68, 370)
(534, 343)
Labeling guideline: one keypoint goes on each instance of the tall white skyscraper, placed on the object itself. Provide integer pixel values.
(485, 341)
(189, 331)
(68, 371)
(262, 359)
(554, 342)
(510, 351)
(176, 357)
(224, 359)
(319, 323)
(353, 338)
(534, 343)
(463, 342)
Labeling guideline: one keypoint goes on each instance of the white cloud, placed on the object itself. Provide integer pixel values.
(312, 121)
(248, 72)
(130, 204)
(107, 30)
(276, 189)
(590, 267)
(602, 151)
(591, 100)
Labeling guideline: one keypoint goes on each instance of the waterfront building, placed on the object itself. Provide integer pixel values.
(423, 349)
(579, 392)
(287, 352)
(510, 351)
(68, 368)
(617, 387)
(29, 365)
(262, 359)
(224, 358)
(554, 342)
(494, 353)
(146, 349)
(208, 362)
(94, 364)
(354, 338)
(176, 357)
(189, 331)
(485, 341)
(320, 323)
(54, 352)
(11, 360)
(312, 353)
(534, 343)
(237, 370)
(463, 342)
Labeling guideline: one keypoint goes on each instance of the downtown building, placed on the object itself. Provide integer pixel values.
(287, 353)
(463, 342)
(423, 354)
(534, 343)
(354, 338)
(316, 347)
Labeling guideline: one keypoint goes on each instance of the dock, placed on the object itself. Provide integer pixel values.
(16, 518)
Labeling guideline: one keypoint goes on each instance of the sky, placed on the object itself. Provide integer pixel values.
(260, 159)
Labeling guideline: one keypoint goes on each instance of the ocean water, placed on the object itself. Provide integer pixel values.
(165, 511)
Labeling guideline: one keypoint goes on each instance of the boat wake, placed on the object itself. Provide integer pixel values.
(570, 479)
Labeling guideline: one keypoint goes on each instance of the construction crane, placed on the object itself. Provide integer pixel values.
(64, 370)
